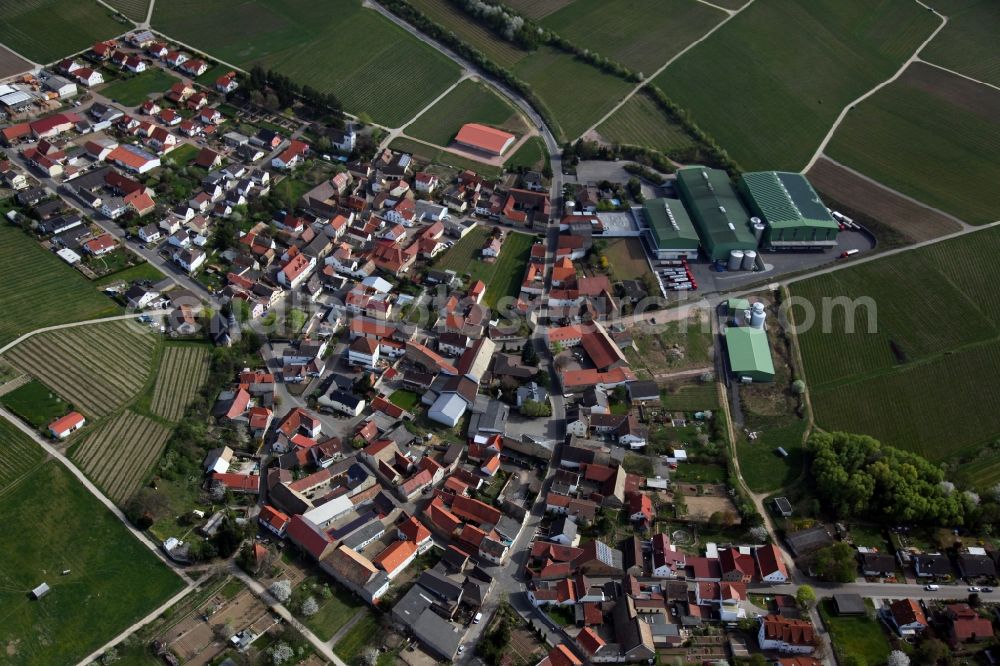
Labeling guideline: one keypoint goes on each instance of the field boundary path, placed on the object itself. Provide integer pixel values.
(95, 491)
(261, 592)
(92, 657)
(899, 72)
(398, 131)
(733, 13)
(958, 74)
(15, 383)
(854, 172)
(87, 322)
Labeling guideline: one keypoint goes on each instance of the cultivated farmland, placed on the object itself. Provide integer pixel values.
(119, 455)
(769, 83)
(18, 454)
(41, 290)
(640, 34)
(641, 123)
(470, 102)
(134, 9)
(368, 62)
(897, 137)
(531, 155)
(968, 43)
(913, 382)
(47, 30)
(11, 63)
(502, 278)
(183, 369)
(575, 93)
(442, 12)
(97, 367)
(111, 576)
(537, 9)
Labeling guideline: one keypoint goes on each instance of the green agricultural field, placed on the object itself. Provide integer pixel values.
(36, 404)
(136, 90)
(41, 289)
(48, 30)
(502, 278)
(769, 83)
(134, 9)
(183, 369)
(640, 123)
(18, 455)
(97, 367)
(576, 94)
(913, 379)
(442, 12)
(470, 102)
(640, 34)
(896, 137)
(368, 62)
(111, 575)
(531, 155)
(537, 9)
(968, 43)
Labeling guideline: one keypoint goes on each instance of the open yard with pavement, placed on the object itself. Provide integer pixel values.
(897, 137)
(502, 277)
(640, 34)
(41, 289)
(47, 30)
(769, 84)
(101, 577)
(902, 354)
(372, 65)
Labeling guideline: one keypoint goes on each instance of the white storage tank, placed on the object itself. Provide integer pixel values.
(749, 259)
(757, 315)
(735, 260)
(758, 227)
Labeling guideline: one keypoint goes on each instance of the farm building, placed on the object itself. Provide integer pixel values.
(749, 353)
(483, 138)
(722, 222)
(671, 234)
(794, 216)
(66, 425)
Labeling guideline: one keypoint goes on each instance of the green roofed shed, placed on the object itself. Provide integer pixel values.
(670, 229)
(794, 215)
(721, 219)
(749, 353)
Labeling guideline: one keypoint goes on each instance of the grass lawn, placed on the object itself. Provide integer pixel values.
(763, 468)
(143, 271)
(502, 278)
(112, 575)
(859, 635)
(910, 382)
(531, 155)
(47, 30)
(673, 346)
(209, 77)
(424, 153)
(405, 399)
(575, 93)
(893, 138)
(640, 34)
(689, 472)
(690, 397)
(968, 43)
(638, 464)
(137, 89)
(470, 102)
(792, 65)
(182, 155)
(627, 259)
(41, 289)
(290, 189)
(372, 65)
(641, 123)
(359, 636)
(333, 613)
(35, 403)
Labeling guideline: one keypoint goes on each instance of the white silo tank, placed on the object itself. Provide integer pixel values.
(757, 315)
(569, 208)
(749, 259)
(735, 260)
(758, 227)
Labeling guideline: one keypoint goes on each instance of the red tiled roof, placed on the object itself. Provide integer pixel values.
(64, 423)
(907, 611)
(484, 138)
(561, 655)
(589, 640)
(792, 632)
(271, 516)
(414, 530)
(474, 510)
(770, 561)
(308, 537)
(245, 482)
(397, 553)
(442, 517)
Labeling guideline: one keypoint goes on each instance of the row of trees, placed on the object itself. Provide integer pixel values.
(288, 92)
(503, 22)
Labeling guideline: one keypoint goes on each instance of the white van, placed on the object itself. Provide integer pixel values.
(932, 587)
(475, 620)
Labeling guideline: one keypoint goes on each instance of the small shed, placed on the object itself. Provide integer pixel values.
(849, 604)
(40, 591)
(783, 506)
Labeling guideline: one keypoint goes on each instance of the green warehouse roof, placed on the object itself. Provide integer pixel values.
(716, 210)
(670, 225)
(749, 353)
(787, 199)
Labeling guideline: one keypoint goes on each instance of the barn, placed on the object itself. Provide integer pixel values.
(794, 216)
(484, 139)
(749, 353)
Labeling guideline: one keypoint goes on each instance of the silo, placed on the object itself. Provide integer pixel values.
(569, 208)
(758, 227)
(749, 259)
(757, 315)
(735, 260)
